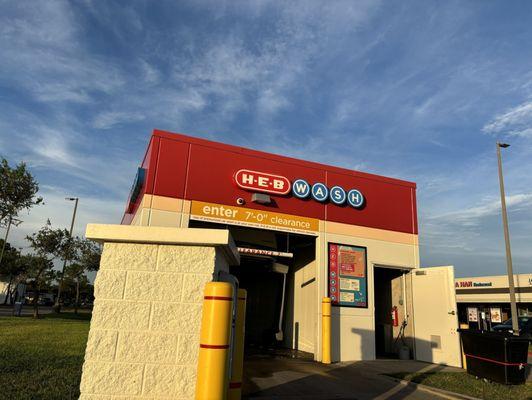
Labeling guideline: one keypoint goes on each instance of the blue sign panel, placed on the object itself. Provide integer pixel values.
(320, 192)
(301, 189)
(338, 195)
(355, 198)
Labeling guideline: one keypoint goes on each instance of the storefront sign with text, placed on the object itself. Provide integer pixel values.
(256, 181)
(255, 218)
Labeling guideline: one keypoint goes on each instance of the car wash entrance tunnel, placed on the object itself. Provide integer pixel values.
(277, 269)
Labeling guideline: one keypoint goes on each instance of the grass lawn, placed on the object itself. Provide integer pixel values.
(462, 382)
(42, 359)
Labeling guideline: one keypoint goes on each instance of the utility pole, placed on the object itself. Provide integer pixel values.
(513, 305)
(57, 305)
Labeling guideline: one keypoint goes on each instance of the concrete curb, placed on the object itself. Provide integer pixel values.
(433, 390)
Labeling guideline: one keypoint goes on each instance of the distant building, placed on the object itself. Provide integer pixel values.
(485, 300)
(4, 285)
(3, 291)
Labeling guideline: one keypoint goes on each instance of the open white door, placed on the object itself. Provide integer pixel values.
(435, 319)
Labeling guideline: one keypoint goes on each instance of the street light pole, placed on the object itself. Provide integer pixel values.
(515, 325)
(57, 305)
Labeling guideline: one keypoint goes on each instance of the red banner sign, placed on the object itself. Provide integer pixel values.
(262, 182)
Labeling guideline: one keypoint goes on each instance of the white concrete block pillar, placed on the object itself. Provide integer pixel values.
(144, 333)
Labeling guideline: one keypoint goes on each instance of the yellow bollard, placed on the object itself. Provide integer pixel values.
(235, 383)
(326, 330)
(464, 359)
(211, 382)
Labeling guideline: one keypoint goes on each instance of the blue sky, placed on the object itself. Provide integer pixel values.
(418, 90)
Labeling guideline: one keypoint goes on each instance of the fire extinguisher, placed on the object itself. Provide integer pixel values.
(395, 316)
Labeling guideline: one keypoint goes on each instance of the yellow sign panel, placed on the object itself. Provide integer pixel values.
(248, 217)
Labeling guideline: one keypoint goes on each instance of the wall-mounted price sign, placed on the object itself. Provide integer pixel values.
(348, 275)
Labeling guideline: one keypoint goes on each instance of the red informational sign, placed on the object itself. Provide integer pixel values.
(347, 275)
(262, 182)
(351, 263)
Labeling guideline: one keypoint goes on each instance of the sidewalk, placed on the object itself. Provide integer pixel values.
(7, 310)
(268, 377)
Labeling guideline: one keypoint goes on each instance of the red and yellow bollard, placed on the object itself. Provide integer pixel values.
(235, 383)
(215, 337)
(326, 330)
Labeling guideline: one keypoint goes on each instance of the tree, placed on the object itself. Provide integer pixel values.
(10, 266)
(39, 274)
(48, 244)
(88, 255)
(18, 190)
(75, 276)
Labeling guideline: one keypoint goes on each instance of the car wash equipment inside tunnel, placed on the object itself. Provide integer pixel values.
(269, 262)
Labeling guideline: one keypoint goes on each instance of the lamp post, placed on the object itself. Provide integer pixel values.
(515, 325)
(57, 305)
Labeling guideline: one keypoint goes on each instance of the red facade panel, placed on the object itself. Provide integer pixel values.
(171, 169)
(210, 179)
(195, 169)
(386, 206)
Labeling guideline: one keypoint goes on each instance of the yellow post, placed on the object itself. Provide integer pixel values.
(464, 359)
(215, 337)
(326, 330)
(235, 383)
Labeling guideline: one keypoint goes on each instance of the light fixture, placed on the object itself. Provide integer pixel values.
(261, 198)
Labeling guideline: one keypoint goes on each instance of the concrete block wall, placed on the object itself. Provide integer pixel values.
(143, 339)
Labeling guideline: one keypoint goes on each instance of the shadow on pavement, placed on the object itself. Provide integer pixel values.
(280, 377)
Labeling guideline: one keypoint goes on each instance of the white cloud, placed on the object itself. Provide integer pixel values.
(52, 146)
(43, 52)
(151, 74)
(109, 119)
(514, 122)
(472, 216)
(474, 230)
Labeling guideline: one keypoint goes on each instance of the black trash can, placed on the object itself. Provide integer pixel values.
(499, 357)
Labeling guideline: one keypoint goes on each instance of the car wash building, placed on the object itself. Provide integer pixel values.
(305, 231)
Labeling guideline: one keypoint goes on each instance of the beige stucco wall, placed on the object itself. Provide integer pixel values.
(143, 339)
(353, 329)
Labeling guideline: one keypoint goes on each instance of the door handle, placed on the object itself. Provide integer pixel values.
(452, 312)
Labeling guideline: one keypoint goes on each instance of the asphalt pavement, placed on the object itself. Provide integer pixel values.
(283, 378)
